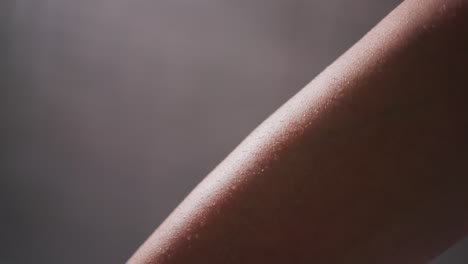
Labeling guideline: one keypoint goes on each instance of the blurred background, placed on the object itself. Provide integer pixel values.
(113, 110)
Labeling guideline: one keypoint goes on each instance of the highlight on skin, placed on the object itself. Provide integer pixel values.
(363, 165)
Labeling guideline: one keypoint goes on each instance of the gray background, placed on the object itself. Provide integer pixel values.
(113, 110)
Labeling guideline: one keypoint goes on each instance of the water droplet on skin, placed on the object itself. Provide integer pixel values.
(275, 156)
(189, 237)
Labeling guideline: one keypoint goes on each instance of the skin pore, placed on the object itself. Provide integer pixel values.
(366, 164)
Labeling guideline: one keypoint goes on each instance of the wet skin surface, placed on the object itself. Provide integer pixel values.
(364, 165)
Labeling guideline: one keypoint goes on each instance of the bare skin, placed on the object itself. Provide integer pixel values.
(366, 164)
